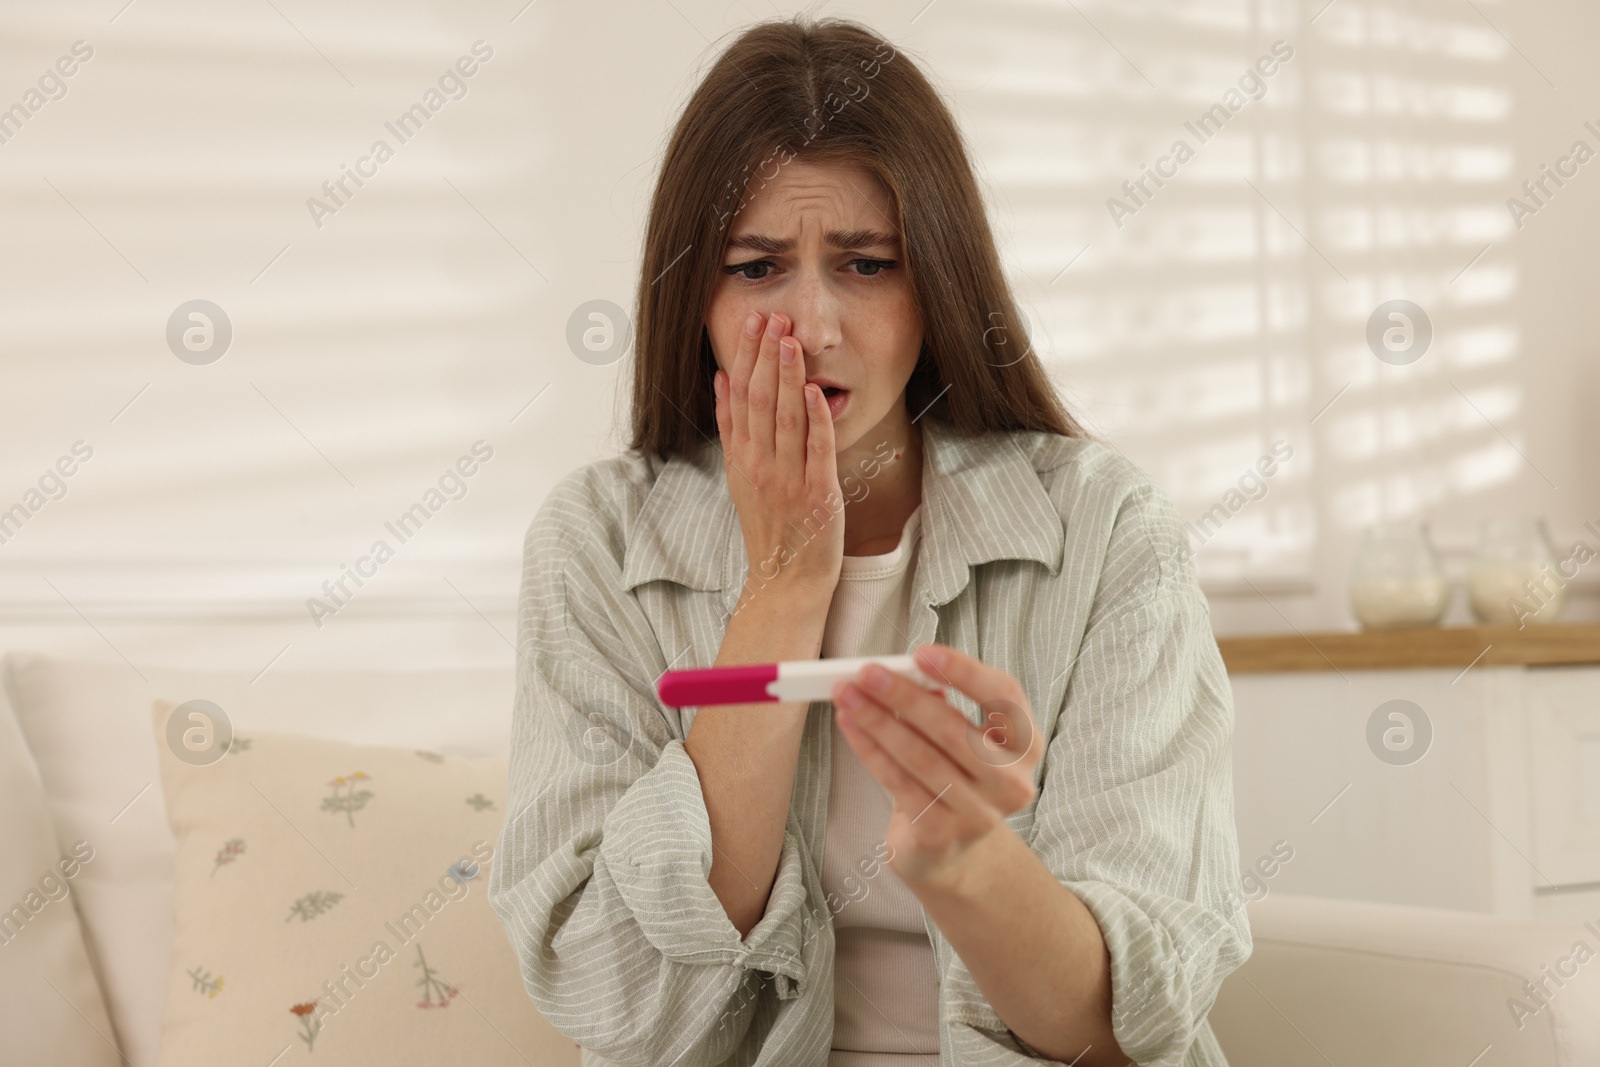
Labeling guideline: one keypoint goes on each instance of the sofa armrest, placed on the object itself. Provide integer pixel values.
(1356, 982)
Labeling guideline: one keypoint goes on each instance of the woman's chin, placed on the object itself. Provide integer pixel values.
(855, 425)
(843, 439)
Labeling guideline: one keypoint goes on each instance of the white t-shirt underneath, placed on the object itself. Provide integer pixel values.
(885, 979)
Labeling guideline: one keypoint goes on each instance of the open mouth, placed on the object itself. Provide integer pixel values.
(835, 396)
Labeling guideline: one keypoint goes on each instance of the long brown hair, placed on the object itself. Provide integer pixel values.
(829, 91)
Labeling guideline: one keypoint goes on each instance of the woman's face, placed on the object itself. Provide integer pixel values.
(818, 244)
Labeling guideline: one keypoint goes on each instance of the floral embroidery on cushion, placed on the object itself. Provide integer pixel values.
(350, 801)
(309, 1026)
(479, 802)
(463, 871)
(313, 904)
(204, 983)
(229, 852)
(240, 744)
(434, 757)
(431, 985)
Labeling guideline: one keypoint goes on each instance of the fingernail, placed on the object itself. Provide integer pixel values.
(878, 679)
(716, 384)
(774, 326)
(786, 350)
(752, 324)
(811, 396)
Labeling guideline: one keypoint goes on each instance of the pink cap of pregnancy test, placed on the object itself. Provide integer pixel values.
(717, 685)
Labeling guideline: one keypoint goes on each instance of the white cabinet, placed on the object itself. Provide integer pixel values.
(1501, 812)
(1562, 712)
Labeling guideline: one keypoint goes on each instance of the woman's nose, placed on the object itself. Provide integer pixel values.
(814, 310)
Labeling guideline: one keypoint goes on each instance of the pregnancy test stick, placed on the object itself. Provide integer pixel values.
(809, 679)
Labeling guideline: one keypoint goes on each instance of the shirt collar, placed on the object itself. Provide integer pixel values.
(982, 501)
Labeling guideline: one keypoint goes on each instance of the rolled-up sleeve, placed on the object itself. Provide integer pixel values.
(601, 875)
(1134, 812)
(1137, 819)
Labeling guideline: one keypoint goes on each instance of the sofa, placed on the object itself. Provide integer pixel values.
(93, 977)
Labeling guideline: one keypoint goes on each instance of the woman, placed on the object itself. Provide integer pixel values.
(843, 446)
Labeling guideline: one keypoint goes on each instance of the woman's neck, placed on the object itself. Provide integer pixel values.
(878, 504)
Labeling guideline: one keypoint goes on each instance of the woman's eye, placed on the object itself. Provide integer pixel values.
(878, 266)
(869, 268)
(739, 269)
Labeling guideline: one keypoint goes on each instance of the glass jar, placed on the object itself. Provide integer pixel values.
(1513, 579)
(1397, 579)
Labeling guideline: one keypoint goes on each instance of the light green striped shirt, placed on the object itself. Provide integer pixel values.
(1052, 558)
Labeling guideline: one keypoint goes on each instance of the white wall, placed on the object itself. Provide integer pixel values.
(372, 352)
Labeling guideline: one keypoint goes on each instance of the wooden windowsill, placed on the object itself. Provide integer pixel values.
(1432, 646)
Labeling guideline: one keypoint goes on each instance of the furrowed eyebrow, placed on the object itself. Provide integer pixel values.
(844, 240)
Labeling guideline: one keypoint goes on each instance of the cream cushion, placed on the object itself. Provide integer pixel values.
(1387, 985)
(330, 899)
(87, 725)
(51, 1010)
